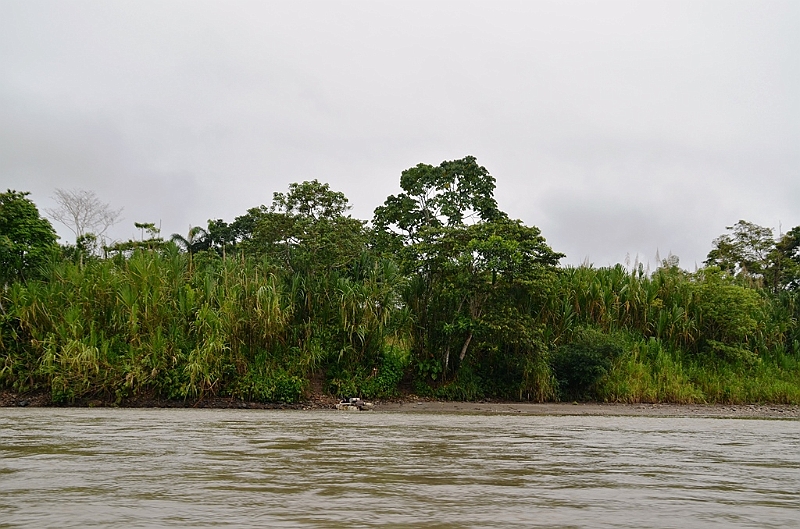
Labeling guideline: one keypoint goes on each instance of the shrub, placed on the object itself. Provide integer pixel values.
(579, 365)
(270, 386)
(381, 382)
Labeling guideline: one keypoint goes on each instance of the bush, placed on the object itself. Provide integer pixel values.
(467, 386)
(272, 386)
(381, 382)
(579, 365)
(390, 372)
(732, 354)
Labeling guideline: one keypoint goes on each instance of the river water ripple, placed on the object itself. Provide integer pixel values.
(248, 468)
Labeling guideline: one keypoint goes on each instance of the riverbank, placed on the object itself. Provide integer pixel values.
(737, 411)
(43, 400)
(413, 404)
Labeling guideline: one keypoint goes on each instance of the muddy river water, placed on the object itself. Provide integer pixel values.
(272, 468)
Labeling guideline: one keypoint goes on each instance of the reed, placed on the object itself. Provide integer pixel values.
(154, 322)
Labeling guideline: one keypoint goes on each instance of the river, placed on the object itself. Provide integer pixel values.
(259, 468)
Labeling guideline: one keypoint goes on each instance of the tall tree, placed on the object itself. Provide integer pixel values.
(492, 275)
(311, 200)
(451, 194)
(751, 252)
(83, 213)
(785, 261)
(744, 252)
(26, 239)
(476, 276)
(306, 228)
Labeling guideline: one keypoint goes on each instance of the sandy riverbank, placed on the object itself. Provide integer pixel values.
(759, 411)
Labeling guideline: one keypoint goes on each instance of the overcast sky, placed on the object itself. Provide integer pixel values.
(618, 128)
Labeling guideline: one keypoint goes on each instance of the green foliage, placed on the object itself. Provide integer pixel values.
(275, 386)
(467, 386)
(151, 243)
(386, 379)
(731, 354)
(744, 251)
(763, 382)
(305, 230)
(580, 364)
(648, 373)
(728, 315)
(311, 200)
(26, 239)
(433, 197)
(429, 369)
(196, 240)
(687, 326)
(476, 278)
(153, 323)
(751, 253)
(785, 271)
(382, 381)
(446, 294)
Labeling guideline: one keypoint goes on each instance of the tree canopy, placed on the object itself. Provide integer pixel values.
(26, 238)
(750, 252)
(450, 194)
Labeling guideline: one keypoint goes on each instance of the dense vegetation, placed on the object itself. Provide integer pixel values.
(442, 294)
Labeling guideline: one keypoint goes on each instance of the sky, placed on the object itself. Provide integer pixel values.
(623, 130)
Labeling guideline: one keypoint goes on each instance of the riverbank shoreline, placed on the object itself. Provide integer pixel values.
(731, 411)
(413, 404)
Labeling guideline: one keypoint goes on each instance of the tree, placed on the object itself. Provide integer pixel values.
(83, 213)
(196, 240)
(785, 258)
(477, 277)
(26, 239)
(311, 200)
(729, 316)
(308, 224)
(450, 194)
(154, 240)
(745, 252)
(494, 273)
(306, 228)
(751, 252)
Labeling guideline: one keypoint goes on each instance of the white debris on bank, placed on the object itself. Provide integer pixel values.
(354, 404)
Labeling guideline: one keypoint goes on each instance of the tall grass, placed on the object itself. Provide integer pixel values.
(156, 323)
(166, 324)
(691, 337)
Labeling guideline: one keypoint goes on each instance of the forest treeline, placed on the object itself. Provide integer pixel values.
(440, 294)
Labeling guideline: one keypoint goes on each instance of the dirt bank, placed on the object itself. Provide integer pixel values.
(42, 400)
(413, 404)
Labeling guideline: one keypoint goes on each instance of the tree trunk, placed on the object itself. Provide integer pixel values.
(464, 349)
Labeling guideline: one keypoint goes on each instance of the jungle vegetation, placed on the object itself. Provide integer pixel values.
(441, 294)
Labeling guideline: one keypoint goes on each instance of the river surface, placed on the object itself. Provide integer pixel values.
(259, 468)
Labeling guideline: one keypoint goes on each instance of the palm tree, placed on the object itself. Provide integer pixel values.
(196, 240)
